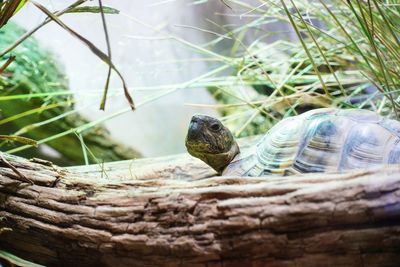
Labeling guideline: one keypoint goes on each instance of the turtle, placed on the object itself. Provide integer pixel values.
(319, 140)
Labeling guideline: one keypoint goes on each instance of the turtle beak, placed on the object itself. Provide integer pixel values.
(195, 127)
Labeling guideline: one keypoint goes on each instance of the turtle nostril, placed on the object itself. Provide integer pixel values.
(194, 119)
(193, 129)
(193, 125)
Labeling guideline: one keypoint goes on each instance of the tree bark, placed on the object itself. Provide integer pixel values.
(172, 211)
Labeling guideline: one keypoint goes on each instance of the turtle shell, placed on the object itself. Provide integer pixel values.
(325, 140)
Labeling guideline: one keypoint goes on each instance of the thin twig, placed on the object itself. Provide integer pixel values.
(47, 20)
(92, 48)
(5, 65)
(103, 20)
(15, 170)
(226, 4)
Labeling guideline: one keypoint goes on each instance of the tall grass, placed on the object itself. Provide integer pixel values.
(347, 55)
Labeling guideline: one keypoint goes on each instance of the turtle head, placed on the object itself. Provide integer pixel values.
(209, 140)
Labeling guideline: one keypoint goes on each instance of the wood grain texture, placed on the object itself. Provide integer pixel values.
(172, 211)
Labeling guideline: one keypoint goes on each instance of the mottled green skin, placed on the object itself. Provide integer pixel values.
(209, 140)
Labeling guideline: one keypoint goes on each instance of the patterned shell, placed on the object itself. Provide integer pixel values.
(323, 140)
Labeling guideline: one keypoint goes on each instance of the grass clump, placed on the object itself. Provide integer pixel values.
(347, 55)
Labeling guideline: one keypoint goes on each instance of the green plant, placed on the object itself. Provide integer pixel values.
(8, 8)
(35, 100)
(347, 55)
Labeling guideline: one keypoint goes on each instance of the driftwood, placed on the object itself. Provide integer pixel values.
(171, 212)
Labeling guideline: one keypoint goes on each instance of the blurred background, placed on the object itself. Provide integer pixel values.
(147, 56)
(250, 63)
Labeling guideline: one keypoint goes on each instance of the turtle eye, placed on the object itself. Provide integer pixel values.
(215, 127)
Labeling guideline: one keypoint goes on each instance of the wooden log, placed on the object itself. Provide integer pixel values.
(172, 211)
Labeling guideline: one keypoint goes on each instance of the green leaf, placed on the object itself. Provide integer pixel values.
(21, 4)
(93, 48)
(19, 139)
(6, 64)
(7, 10)
(14, 260)
(94, 9)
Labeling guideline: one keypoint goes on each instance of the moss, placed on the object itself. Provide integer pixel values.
(36, 70)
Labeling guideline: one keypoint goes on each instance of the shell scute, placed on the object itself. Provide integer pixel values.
(392, 126)
(394, 154)
(322, 145)
(276, 151)
(321, 112)
(360, 115)
(328, 140)
(365, 146)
